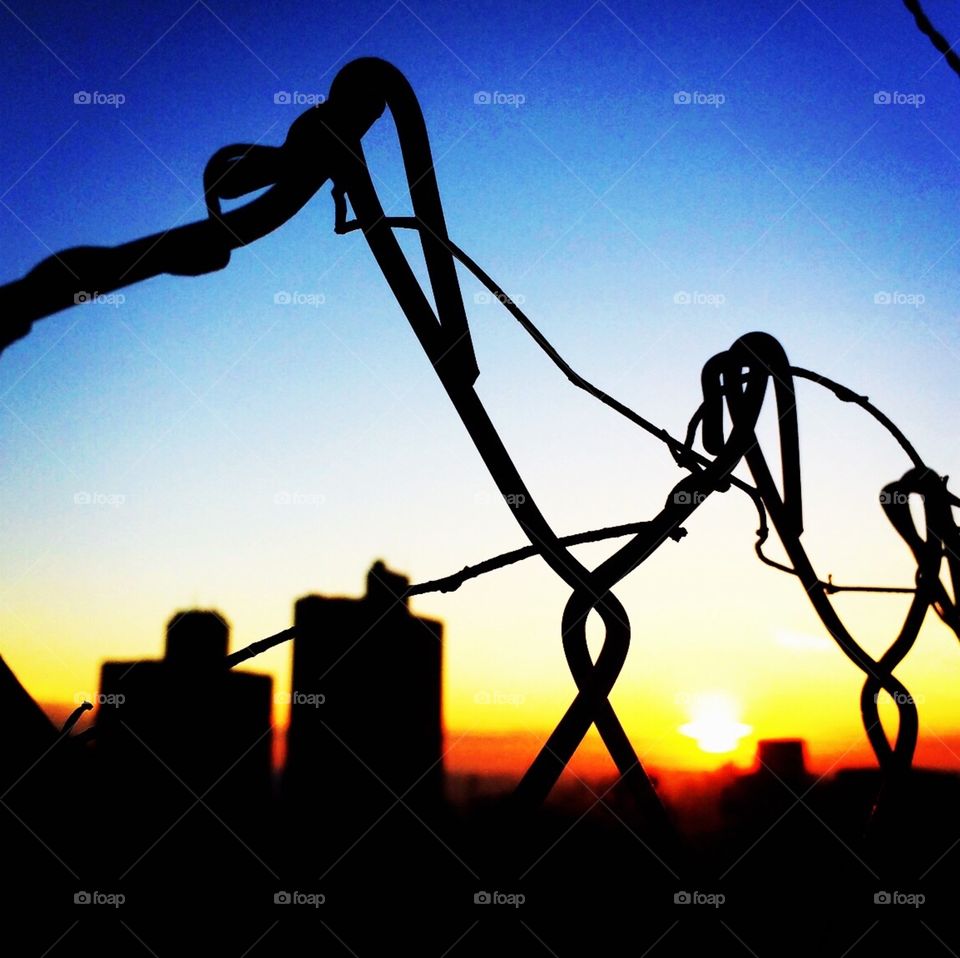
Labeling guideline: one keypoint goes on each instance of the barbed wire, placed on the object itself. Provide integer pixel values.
(879, 673)
(734, 385)
(933, 34)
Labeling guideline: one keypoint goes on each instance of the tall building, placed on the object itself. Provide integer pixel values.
(174, 730)
(365, 711)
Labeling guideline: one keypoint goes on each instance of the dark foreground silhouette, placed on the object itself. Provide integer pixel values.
(161, 819)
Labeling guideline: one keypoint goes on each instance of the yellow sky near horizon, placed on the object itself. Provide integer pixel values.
(504, 691)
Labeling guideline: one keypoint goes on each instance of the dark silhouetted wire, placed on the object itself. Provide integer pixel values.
(256, 648)
(325, 143)
(74, 716)
(933, 34)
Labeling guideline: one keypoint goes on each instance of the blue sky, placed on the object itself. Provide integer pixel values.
(787, 203)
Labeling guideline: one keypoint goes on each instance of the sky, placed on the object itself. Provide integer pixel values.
(648, 184)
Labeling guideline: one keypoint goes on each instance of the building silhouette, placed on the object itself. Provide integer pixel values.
(784, 759)
(174, 730)
(780, 774)
(43, 782)
(365, 712)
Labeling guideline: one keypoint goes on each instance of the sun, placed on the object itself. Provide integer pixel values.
(715, 722)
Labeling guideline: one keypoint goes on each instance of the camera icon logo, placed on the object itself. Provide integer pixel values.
(281, 898)
(681, 898)
(881, 98)
(281, 96)
(482, 97)
(682, 97)
(881, 898)
(282, 298)
(81, 898)
(481, 898)
(81, 96)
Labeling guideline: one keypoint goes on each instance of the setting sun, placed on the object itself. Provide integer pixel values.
(715, 722)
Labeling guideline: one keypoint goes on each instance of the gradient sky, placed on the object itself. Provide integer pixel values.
(787, 208)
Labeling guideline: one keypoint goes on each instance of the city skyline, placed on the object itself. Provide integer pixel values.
(503, 753)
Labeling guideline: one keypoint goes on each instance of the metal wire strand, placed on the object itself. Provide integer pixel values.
(927, 28)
